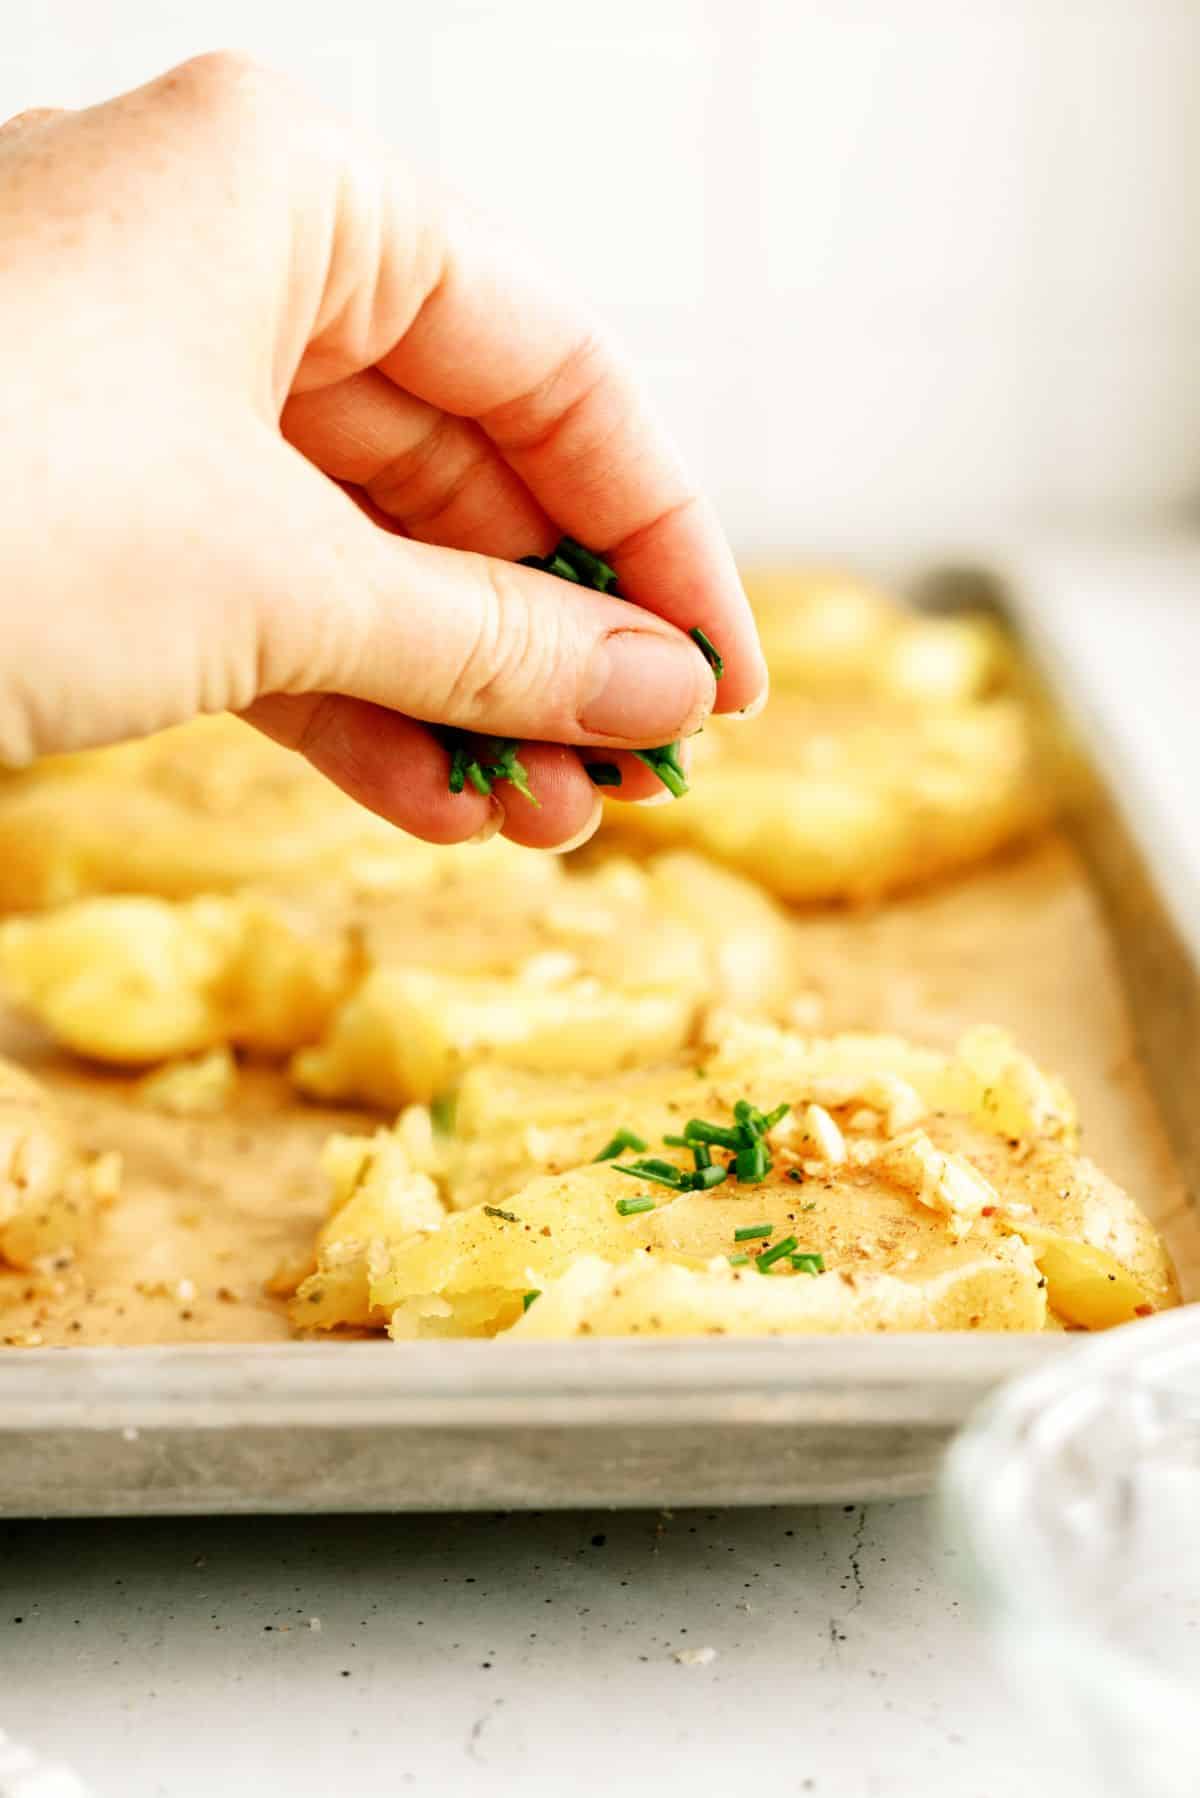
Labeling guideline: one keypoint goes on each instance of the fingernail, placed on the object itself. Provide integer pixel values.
(494, 823)
(589, 829)
(756, 706)
(641, 686)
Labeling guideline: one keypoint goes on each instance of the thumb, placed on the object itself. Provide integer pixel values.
(462, 639)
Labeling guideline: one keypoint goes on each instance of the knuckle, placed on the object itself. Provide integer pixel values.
(506, 660)
(220, 80)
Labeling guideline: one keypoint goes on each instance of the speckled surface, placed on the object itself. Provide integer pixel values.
(509, 1654)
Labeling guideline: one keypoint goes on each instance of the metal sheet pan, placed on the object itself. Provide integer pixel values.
(462, 1425)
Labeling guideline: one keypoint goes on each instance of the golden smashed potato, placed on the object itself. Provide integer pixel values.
(825, 800)
(895, 750)
(204, 808)
(934, 1192)
(826, 632)
(603, 968)
(49, 1194)
(565, 967)
(137, 980)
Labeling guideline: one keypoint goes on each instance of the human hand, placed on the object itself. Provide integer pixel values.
(224, 320)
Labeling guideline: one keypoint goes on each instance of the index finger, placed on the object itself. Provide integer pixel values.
(493, 343)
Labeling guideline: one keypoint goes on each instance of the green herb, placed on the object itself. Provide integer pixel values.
(677, 1142)
(458, 767)
(753, 1163)
(603, 774)
(617, 1144)
(698, 1130)
(808, 1264)
(778, 1251)
(705, 1178)
(631, 1207)
(527, 1298)
(442, 1112)
(701, 1155)
(496, 759)
(739, 1260)
(666, 764)
(571, 561)
(749, 1231)
(495, 1211)
(660, 1171)
(708, 650)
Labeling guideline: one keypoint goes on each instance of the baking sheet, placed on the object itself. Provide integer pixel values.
(219, 1416)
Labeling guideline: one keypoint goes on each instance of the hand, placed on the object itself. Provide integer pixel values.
(277, 422)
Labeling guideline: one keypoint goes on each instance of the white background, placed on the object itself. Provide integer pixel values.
(896, 268)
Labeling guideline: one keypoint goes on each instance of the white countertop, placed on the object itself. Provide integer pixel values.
(175, 1658)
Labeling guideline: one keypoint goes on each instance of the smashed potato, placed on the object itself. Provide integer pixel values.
(914, 1190)
(607, 968)
(825, 800)
(138, 980)
(825, 632)
(564, 968)
(204, 808)
(49, 1194)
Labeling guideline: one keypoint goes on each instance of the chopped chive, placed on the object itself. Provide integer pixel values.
(558, 564)
(808, 1264)
(509, 1217)
(478, 779)
(774, 1117)
(738, 1260)
(697, 1130)
(701, 1154)
(590, 568)
(617, 1144)
(458, 768)
(705, 1178)
(661, 1172)
(749, 1116)
(442, 1112)
(505, 766)
(603, 774)
(666, 764)
(665, 1170)
(748, 1232)
(527, 1298)
(631, 1207)
(708, 650)
(677, 1142)
(753, 1163)
(778, 1251)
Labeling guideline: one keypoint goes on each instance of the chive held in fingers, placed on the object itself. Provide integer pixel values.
(603, 774)
(572, 561)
